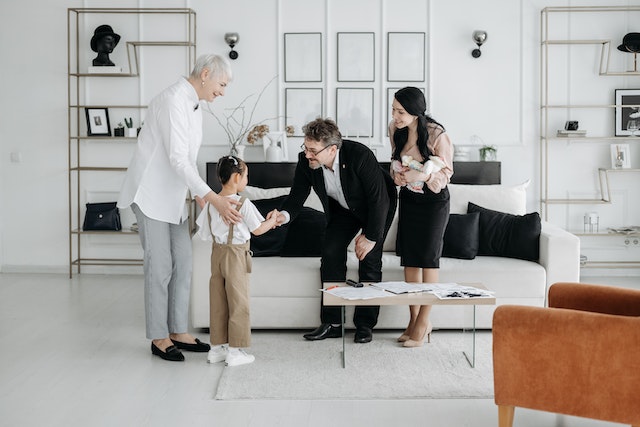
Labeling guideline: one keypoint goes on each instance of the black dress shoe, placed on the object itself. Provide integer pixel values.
(324, 331)
(363, 334)
(171, 353)
(198, 347)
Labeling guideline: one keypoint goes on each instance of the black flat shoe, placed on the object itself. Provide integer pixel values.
(198, 347)
(324, 331)
(171, 353)
(364, 335)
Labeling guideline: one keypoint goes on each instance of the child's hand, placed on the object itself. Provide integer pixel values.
(272, 218)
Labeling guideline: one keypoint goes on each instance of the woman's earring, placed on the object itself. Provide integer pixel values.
(203, 83)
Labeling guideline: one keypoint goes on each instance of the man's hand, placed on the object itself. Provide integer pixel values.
(363, 246)
(225, 206)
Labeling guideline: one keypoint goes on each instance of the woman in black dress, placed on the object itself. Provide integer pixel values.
(423, 200)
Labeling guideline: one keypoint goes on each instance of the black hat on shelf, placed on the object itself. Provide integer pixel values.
(630, 43)
(101, 31)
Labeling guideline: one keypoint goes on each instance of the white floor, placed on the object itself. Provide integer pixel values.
(74, 354)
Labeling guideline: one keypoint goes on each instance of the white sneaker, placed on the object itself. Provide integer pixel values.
(217, 354)
(237, 357)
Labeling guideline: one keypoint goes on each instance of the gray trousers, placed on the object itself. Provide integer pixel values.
(167, 275)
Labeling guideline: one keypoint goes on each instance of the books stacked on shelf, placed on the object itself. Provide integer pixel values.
(571, 133)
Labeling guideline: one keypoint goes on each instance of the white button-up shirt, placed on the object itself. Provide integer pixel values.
(164, 166)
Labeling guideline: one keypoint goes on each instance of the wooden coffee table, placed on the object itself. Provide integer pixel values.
(416, 298)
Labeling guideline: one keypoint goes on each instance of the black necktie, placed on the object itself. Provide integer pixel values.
(196, 107)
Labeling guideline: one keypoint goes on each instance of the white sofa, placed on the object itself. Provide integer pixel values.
(284, 291)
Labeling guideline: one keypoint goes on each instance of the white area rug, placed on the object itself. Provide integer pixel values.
(289, 367)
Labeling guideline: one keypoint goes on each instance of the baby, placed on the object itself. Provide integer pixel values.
(434, 164)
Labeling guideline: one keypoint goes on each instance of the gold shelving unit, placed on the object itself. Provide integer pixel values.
(78, 79)
(548, 136)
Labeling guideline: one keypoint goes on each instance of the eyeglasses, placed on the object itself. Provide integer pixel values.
(313, 152)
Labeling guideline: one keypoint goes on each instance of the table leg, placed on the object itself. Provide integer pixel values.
(470, 351)
(343, 346)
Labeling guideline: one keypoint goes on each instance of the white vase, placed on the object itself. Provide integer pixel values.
(239, 151)
(273, 154)
(131, 132)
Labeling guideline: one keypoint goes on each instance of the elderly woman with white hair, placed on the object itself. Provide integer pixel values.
(161, 174)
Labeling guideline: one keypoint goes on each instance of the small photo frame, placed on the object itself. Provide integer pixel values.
(627, 112)
(620, 156)
(98, 122)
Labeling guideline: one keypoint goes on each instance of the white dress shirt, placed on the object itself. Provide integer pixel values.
(219, 231)
(164, 166)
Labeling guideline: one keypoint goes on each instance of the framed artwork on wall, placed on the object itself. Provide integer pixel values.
(627, 112)
(356, 57)
(98, 121)
(354, 112)
(405, 57)
(301, 106)
(302, 57)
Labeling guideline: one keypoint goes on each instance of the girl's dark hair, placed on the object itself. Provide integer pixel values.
(227, 166)
(412, 100)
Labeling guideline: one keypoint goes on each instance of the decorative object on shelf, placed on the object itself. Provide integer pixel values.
(131, 131)
(232, 39)
(631, 44)
(103, 42)
(488, 153)
(118, 130)
(237, 124)
(591, 222)
(290, 130)
(571, 125)
(563, 133)
(620, 156)
(98, 121)
(102, 217)
(479, 37)
(627, 108)
(460, 153)
(257, 133)
(276, 149)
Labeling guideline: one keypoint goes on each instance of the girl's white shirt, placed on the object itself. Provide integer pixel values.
(219, 231)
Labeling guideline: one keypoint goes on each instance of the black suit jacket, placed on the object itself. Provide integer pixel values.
(368, 189)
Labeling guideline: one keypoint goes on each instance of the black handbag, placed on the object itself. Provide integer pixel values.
(102, 216)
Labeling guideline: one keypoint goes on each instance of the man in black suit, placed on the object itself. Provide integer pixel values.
(357, 194)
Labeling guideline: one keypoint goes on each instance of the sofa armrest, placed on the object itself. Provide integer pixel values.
(595, 298)
(567, 361)
(559, 254)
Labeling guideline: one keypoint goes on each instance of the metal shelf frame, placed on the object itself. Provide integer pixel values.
(76, 31)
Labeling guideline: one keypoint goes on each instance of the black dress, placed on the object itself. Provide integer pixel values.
(422, 219)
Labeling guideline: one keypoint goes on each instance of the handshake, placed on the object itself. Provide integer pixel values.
(434, 164)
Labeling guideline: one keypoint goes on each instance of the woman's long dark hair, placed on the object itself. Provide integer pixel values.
(412, 100)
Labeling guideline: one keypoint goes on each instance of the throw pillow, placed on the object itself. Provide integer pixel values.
(461, 237)
(507, 235)
(269, 243)
(305, 235)
(504, 198)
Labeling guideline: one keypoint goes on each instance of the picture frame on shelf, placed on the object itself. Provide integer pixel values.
(627, 107)
(620, 156)
(98, 121)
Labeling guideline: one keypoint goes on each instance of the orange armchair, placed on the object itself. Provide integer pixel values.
(580, 356)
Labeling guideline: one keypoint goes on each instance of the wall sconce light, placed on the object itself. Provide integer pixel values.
(479, 37)
(232, 39)
(631, 44)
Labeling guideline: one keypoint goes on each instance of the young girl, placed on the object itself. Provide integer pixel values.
(230, 327)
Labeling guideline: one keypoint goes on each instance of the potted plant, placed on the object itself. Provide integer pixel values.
(488, 153)
(119, 130)
(131, 131)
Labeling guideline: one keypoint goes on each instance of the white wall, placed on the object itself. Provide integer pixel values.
(495, 97)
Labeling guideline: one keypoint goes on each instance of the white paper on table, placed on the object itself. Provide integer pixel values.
(351, 293)
(404, 287)
(456, 291)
